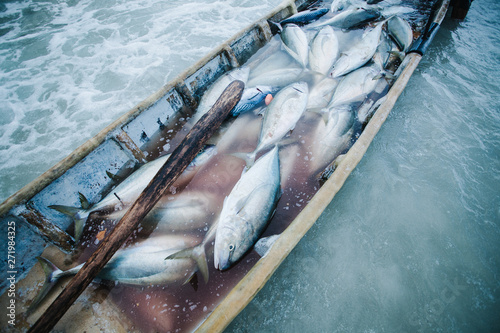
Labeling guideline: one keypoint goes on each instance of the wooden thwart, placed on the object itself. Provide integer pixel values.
(173, 167)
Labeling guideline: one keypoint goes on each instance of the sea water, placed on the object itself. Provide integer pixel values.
(411, 241)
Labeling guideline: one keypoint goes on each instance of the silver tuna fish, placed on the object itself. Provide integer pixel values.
(350, 18)
(247, 210)
(125, 194)
(142, 264)
(295, 43)
(324, 50)
(281, 117)
(360, 53)
(186, 211)
(332, 137)
(321, 93)
(355, 86)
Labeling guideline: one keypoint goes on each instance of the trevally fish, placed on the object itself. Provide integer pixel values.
(295, 43)
(217, 88)
(305, 16)
(281, 116)
(384, 50)
(278, 78)
(188, 210)
(350, 18)
(401, 32)
(332, 137)
(355, 86)
(251, 97)
(247, 210)
(125, 194)
(359, 54)
(323, 51)
(321, 93)
(142, 264)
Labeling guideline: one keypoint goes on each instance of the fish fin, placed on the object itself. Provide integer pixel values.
(275, 26)
(113, 177)
(197, 254)
(263, 245)
(83, 201)
(73, 213)
(52, 274)
(249, 158)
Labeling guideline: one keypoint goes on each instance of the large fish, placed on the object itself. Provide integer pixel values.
(332, 137)
(323, 51)
(305, 16)
(355, 86)
(245, 213)
(247, 210)
(125, 194)
(281, 116)
(350, 18)
(186, 211)
(143, 264)
(295, 43)
(360, 53)
(279, 77)
(213, 93)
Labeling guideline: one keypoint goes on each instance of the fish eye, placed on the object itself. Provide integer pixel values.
(231, 247)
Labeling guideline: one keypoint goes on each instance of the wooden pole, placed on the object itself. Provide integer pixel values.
(173, 167)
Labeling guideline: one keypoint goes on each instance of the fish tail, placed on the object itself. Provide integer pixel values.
(197, 254)
(249, 158)
(52, 275)
(72, 212)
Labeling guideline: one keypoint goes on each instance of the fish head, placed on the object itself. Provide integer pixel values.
(224, 248)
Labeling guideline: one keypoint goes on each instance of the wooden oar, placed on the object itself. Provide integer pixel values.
(173, 167)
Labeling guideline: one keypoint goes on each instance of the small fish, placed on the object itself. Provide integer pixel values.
(251, 98)
(324, 50)
(359, 54)
(247, 210)
(280, 117)
(332, 137)
(384, 50)
(295, 43)
(217, 88)
(143, 264)
(401, 32)
(305, 16)
(350, 18)
(125, 194)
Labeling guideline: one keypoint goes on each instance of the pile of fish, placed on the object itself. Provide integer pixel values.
(329, 69)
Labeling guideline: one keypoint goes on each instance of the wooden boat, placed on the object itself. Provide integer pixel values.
(140, 136)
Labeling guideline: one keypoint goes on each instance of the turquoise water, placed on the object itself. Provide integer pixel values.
(411, 243)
